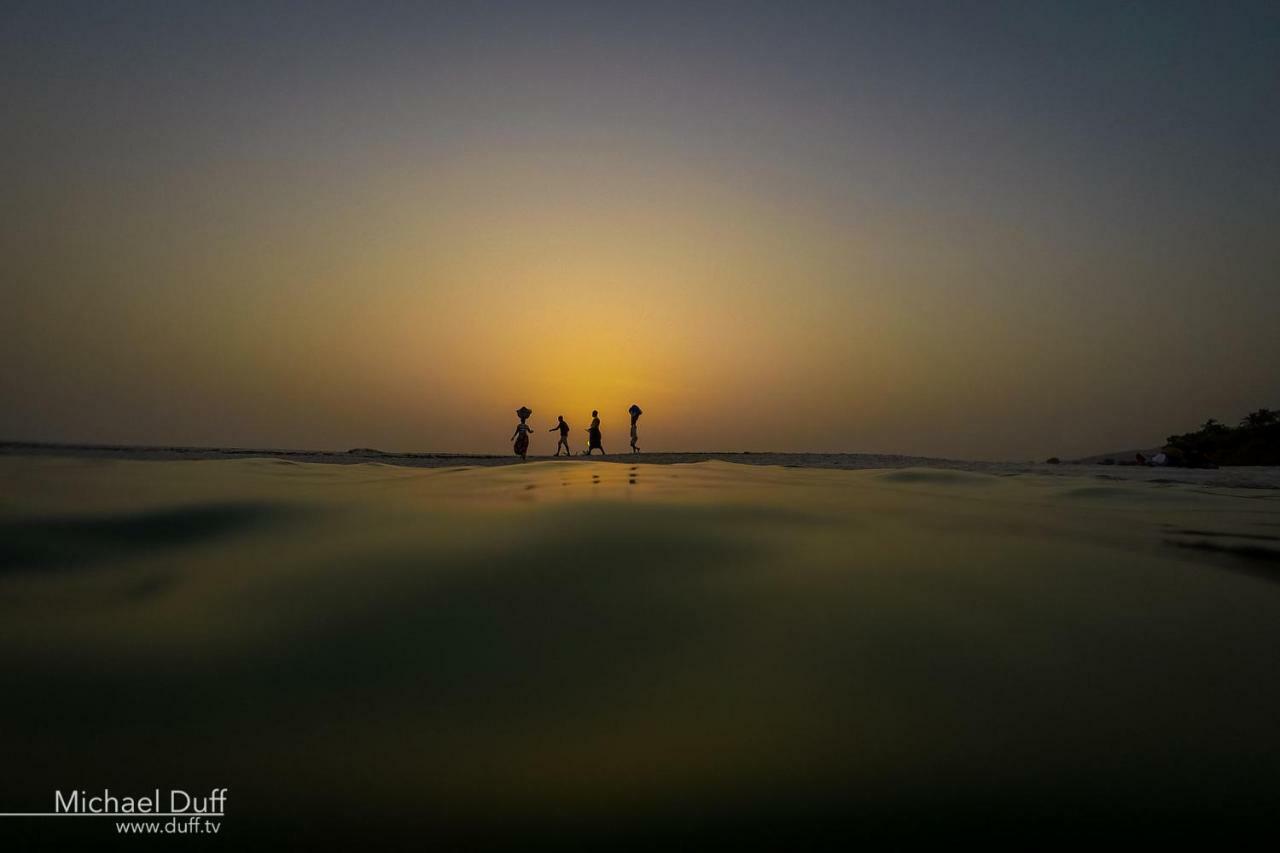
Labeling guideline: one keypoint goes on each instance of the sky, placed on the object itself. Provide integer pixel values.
(977, 230)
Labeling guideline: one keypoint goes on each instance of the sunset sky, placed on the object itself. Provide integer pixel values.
(980, 230)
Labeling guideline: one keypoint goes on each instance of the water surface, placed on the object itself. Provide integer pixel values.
(573, 650)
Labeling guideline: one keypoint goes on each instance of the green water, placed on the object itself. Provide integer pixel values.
(573, 650)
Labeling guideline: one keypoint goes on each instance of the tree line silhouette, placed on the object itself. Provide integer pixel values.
(1254, 441)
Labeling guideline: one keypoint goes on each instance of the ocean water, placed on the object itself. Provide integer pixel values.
(578, 651)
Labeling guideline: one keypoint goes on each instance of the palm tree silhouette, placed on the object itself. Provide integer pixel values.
(1260, 418)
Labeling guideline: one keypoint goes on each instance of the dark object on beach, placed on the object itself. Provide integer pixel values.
(1108, 461)
(1053, 460)
(1186, 457)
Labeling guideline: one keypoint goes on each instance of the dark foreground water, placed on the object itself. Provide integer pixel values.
(576, 653)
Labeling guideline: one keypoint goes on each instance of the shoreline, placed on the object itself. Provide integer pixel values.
(435, 459)
(1251, 477)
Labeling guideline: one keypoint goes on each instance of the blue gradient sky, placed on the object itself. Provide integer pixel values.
(984, 230)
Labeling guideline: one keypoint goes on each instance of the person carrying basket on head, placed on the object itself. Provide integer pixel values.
(521, 435)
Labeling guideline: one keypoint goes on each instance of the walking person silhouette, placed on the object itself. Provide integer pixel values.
(521, 435)
(564, 436)
(635, 416)
(593, 434)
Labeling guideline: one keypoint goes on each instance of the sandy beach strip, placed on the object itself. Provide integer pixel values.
(1257, 477)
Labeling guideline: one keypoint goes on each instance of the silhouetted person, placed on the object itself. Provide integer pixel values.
(593, 434)
(564, 436)
(635, 416)
(521, 435)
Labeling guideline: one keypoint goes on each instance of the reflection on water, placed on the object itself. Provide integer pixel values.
(703, 648)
